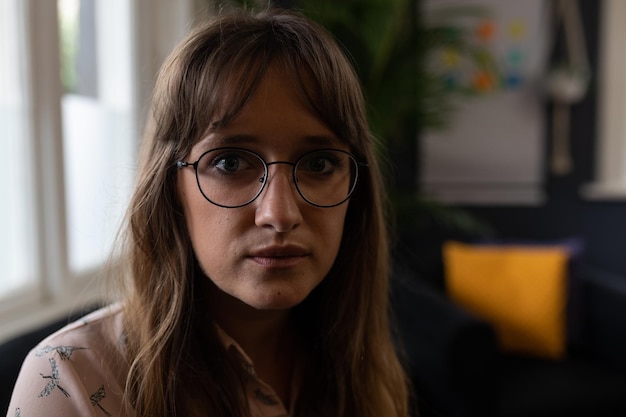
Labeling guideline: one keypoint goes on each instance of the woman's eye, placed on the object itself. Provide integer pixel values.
(319, 164)
(228, 163)
(221, 163)
(234, 162)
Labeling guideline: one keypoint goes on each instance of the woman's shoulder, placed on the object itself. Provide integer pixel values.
(99, 332)
(102, 325)
(79, 370)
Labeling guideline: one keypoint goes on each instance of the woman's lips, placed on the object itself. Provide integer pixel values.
(279, 256)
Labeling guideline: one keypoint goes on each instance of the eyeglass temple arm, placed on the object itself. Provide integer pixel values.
(182, 164)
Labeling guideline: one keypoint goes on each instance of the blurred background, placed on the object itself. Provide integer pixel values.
(496, 119)
(77, 75)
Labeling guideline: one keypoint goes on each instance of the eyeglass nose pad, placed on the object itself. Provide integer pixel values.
(264, 178)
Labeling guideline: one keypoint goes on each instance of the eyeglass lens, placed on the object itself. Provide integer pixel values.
(231, 177)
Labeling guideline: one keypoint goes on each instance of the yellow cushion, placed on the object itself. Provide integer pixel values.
(520, 290)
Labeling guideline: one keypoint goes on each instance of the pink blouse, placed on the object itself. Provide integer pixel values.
(80, 371)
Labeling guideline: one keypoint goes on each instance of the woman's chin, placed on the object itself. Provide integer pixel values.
(278, 300)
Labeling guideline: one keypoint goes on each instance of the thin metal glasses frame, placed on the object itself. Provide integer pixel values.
(264, 178)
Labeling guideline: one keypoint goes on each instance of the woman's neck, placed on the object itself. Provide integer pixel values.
(266, 336)
(263, 335)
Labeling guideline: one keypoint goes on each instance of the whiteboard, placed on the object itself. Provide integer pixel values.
(492, 150)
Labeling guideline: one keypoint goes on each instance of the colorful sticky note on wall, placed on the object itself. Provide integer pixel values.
(483, 81)
(486, 30)
(516, 29)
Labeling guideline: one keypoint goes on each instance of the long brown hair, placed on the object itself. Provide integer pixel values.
(178, 367)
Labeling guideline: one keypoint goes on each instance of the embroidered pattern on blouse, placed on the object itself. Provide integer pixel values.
(54, 381)
(98, 396)
(256, 392)
(65, 352)
(18, 412)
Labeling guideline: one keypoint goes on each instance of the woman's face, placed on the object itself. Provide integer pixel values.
(271, 253)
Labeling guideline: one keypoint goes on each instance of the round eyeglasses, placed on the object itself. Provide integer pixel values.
(235, 177)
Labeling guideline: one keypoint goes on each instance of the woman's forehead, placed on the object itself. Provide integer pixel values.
(233, 93)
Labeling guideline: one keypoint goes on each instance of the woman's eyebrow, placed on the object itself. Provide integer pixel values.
(216, 140)
(322, 140)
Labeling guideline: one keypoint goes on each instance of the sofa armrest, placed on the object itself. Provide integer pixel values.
(450, 353)
(605, 317)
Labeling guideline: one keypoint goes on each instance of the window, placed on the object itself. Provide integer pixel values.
(611, 138)
(16, 182)
(98, 129)
(74, 79)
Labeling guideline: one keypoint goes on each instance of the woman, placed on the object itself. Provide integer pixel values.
(256, 246)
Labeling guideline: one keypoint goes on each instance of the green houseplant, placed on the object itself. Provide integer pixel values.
(390, 45)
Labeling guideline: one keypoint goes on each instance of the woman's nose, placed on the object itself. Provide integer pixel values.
(279, 203)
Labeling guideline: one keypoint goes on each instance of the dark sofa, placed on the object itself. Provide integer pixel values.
(458, 370)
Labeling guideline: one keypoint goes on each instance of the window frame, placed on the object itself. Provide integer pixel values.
(610, 175)
(157, 27)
